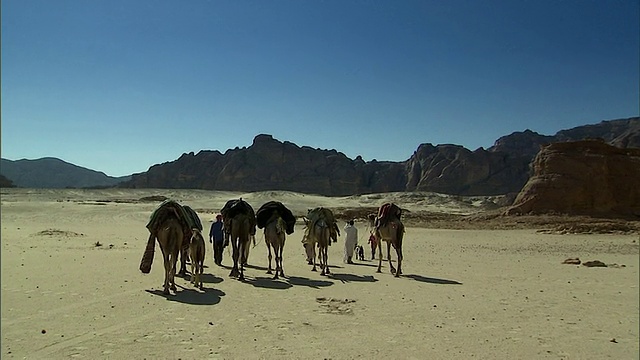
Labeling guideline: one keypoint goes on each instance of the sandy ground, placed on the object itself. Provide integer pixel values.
(470, 293)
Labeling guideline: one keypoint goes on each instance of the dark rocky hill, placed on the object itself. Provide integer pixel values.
(269, 164)
(5, 183)
(54, 173)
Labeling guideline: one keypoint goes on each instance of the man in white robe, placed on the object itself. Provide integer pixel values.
(350, 242)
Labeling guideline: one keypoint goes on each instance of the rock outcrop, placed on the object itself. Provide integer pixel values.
(584, 177)
(452, 169)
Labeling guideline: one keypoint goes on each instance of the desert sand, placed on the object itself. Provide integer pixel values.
(467, 292)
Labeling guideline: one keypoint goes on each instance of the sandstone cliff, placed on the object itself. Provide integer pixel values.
(452, 169)
(584, 177)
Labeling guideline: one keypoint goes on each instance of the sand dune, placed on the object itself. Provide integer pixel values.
(488, 294)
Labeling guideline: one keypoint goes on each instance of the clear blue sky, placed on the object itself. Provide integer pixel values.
(120, 85)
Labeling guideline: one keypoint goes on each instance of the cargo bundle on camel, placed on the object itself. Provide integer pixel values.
(172, 225)
(277, 220)
(240, 227)
(321, 227)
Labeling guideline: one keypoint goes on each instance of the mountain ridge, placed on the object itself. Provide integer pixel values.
(271, 164)
(51, 172)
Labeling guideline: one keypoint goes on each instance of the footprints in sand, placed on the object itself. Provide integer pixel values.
(336, 306)
(56, 232)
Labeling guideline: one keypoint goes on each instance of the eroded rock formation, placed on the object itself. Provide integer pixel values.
(583, 177)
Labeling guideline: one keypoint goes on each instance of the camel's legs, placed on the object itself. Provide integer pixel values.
(167, 272)
(325, 257)
(279, 260)
(399, 253)
(243, 259)
(194, 273)
(174, 262)
(393, 269)
(379, 255)
(234, 270)
(314, 256)
(277, 267)
(274, 250)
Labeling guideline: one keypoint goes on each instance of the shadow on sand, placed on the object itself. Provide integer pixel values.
(359, 263)
(269, 283)
(191, 296)
(210, 279)
(249, 266)
(301, 281)
(345, 278)
(431, 280)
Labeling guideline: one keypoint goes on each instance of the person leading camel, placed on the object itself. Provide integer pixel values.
(374, 244)
(216, 236)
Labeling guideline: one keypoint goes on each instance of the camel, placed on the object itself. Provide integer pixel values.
(274, 236)
(197, 251)
(240, 240)
(169, 236)
(320, 225)
(278, 222)
(229, 212)
(321, 233)
(389, 228)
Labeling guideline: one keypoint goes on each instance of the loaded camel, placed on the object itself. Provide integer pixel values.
(388, 228)
(172, 225)
(240, 223)
(169, 236)
(320, 228)
(278, 222)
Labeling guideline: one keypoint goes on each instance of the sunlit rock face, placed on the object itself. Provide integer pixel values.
(583, 177)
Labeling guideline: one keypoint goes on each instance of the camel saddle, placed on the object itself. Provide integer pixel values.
(386, 212)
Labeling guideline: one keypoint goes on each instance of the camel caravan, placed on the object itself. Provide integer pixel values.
(178, 230)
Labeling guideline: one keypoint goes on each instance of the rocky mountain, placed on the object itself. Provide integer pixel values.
(623, 133)
(54, 173)
(582, 177)
(269, 164)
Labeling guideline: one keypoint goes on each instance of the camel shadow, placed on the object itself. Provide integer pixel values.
(207, 296)
(210, 279)
(258, 267)
(301, 281)
(363, 264)
(432, 280)
(345, 278)
(269, 283)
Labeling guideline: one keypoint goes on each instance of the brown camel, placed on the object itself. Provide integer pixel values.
(169, 236)
(274, 236)
(320, 225)
(240, 240)
(390, 230)
(229, 212)
(197, 250)
(321, 232)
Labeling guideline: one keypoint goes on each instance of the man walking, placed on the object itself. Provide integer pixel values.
(216, 236)
(350, 241)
